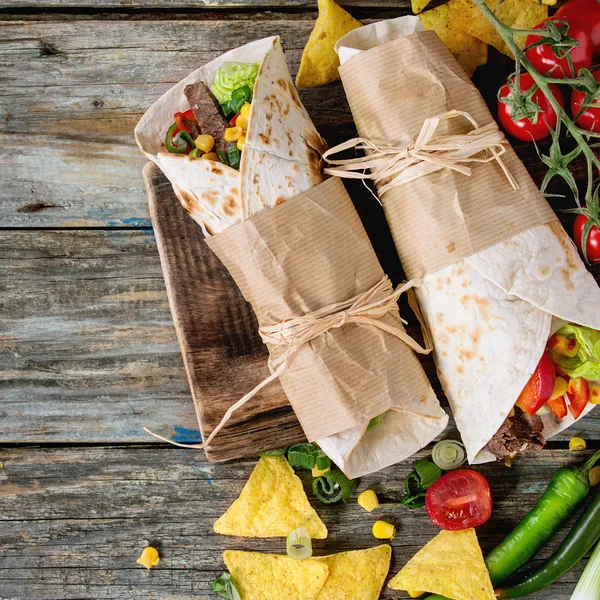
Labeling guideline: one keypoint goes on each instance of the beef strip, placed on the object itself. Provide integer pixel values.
(518, 433)
(207, 112)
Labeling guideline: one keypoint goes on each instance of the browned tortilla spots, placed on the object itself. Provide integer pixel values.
(543, 271)
(216, 169)
(268, 116)
(279, 200)
(460, 369)
(476, 336)
(187, 200)
(230, 207)
(465, 300)
(566, 276)
(483, 305)
(235, 191)
(439, 317)
(466, 355)
(450, 247)
(464, 284)
(451, 329)
(296, 169)
(263, 138)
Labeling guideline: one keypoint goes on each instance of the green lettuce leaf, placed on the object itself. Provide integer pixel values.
(230, 77)
(586, 363)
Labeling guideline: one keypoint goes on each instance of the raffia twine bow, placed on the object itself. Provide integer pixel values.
(288, 337)
(427, 154)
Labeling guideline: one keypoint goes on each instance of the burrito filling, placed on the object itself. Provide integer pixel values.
(224, 111)
(565, 381)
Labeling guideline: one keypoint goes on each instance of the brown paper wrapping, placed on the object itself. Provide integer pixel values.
(303, 255)
(443, 217)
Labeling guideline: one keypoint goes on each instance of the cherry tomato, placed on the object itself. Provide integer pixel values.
(544, 59)
(593, 240)
(539, 388)
(585, 14)
(590, 118)
(525, 129)
(459, 500)
(578, 394)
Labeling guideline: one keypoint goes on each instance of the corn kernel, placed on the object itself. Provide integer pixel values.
(232, 134)
(563, 345)
(383, 530)
(211, 156)
(205, 142)
(149, 557)
(242, 122)
(595, 476)
(245, 110)
(368, 500)
(595, 393)
(241, 142)
(560, 388)
(316, 472)
(576, 444)
(415, 594)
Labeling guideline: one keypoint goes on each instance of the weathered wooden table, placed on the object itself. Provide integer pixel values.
(88, 353)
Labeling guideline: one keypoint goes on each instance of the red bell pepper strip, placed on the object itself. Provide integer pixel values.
(578, 395)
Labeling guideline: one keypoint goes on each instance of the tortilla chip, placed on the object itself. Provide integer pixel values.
(320, 62)
(468, 50)
(450, 565)
(514, 13)
(260, 576)
(356, 575)
(419, 5)
(272, 504)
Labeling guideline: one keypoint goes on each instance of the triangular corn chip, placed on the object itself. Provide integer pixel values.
(260, 576)
(320, 62)
(515, 13)
(468, 50)
(272, 504)
(356, 575)
(419, 5)
(450, 565)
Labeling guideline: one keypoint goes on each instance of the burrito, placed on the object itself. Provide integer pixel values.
(513, 312)
(234, 140)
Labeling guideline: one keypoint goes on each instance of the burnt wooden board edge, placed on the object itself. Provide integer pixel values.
(217, 331)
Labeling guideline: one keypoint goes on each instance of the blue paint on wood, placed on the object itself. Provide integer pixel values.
(141, 222)
(186, 436)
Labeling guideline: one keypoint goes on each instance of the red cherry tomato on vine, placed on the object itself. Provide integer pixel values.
(524, 129)
(545, 60)
(590, 118)
(585, 14)
(459, 500)
(593, 240)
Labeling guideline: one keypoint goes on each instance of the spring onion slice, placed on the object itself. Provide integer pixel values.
(302, 455)
(275, 452)
(448, 455)
(298, 544)
(376, 421)
(588, 587)
(333, 487)
(225, 587)
(322, 461)
(427, 472)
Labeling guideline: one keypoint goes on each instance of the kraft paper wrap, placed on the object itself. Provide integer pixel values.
(446, 216)
(303, 255)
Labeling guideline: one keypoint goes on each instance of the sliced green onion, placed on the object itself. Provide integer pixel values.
(234, 156)
(276, 452)
(448, 455)
(333, 487)
(223, 156)
(376, 421)
(239, 97)
(322, 461)
(225, 586)
(414, 500)
(588, 587)
(226, 108)
(298, 544)
(427, 472)
(195, 153)
(302, 455)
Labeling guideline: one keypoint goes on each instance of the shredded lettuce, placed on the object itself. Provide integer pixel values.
(586, 363)
(230, 77)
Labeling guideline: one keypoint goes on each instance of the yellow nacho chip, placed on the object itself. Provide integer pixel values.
(356, 575)
(514, 13)
(468, 50)
(260, 576)
(320, 62)
(272, 504)
(419, 5)
(450, 565)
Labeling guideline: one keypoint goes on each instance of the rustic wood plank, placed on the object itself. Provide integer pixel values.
(40, 5)
(73, 521)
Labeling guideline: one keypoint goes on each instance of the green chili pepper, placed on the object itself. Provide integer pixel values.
(195, 153)
(175, 145)
(581, 539)
(569, 486)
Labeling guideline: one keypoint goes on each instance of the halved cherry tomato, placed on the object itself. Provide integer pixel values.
(592, 245)
(459, 500)
(524, 129)
(585, 14)
(578, 395)
(559, 407)
(538, 389)
(590, 118)
(545, 60)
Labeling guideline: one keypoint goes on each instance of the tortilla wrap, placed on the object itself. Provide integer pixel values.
(490, 314)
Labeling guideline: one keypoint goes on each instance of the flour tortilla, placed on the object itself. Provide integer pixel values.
(491, 314)
(281, 157)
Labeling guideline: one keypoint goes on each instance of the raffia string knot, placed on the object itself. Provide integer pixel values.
(392, 166)
(288, 337)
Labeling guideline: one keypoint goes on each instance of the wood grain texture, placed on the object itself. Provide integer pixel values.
(73, 521)
(218, 334)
